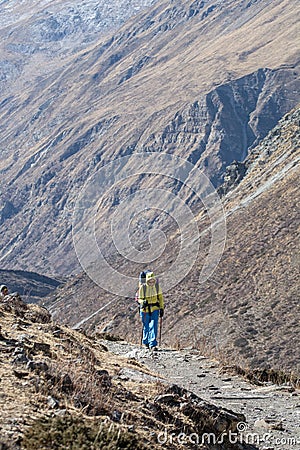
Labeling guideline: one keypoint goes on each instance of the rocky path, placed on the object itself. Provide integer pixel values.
(272, 412)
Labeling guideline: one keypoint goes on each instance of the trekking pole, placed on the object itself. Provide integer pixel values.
(142, 334)
(160, 328)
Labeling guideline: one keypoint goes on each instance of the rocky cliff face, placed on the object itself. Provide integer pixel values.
(185, 79)
(225, 124)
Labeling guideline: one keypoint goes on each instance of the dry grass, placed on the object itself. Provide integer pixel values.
(261, 376)
(70, 396)
(79, 433)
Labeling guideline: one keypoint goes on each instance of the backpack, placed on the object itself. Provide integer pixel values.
(142, 276)
(142, 281)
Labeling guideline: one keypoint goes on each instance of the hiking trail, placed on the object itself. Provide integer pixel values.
(272, 411)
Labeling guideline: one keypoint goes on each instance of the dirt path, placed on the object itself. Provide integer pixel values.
(272, 412)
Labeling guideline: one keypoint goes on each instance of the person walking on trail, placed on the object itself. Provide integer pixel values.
(3, 291)
(151, 308)
(13, 299)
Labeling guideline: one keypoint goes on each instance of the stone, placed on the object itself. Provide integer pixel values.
(24, 338)
(105, 378)
(168, 399)
(20, 374)
(116, 416)
(132, 354)
(66, 383)
(41, 347)
(61, 412)
(269, 424)
(38, 366)
(57, 333)
(52, 402)
(18, 350)
(20, 358)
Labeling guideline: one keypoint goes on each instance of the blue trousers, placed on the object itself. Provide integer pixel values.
(150, 327)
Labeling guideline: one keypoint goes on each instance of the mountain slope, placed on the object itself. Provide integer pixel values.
(248, 311)
(38, 35)
(203, 80)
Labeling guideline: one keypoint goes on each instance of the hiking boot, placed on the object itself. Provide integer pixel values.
(154, 349)
(147, 345)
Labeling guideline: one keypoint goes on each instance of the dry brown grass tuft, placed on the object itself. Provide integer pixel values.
(261, 376)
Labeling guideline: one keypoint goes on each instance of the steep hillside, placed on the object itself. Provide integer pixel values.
(202, 80)
(248, 311)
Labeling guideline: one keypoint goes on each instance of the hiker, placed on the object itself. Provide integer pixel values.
(13, 299)
(3, 291)
(151, 308)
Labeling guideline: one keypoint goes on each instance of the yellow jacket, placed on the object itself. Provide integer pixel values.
(149, 294)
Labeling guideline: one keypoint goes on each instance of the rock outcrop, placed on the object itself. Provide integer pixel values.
(234, 174)
(224, 125)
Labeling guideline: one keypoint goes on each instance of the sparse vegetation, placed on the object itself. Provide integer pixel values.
(261, 376)
(82, 383)
(78, 433)
(68, 393)
(192, 85)
(108, 336)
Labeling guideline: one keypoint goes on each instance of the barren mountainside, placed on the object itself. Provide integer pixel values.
(149, 135)
(38, 35)
(202, 80)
